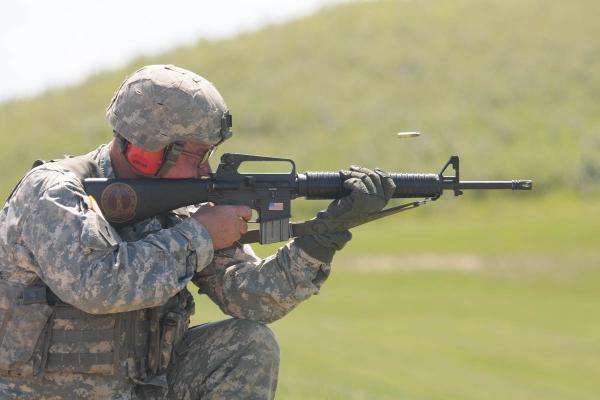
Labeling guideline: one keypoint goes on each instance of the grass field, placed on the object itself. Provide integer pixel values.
(441, 335)
(501, 304)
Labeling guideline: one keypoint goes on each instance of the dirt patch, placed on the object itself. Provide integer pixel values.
(521, 264)
(412, 262)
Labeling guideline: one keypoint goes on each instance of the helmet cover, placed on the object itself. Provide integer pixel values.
(163, 104)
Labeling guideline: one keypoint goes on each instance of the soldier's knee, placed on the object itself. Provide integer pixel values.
(261, 339)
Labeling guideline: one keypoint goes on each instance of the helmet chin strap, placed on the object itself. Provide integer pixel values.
(172, 153)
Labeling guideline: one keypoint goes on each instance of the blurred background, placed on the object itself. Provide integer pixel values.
(483, 296)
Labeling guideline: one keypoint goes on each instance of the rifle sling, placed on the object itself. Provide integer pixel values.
(317, 227)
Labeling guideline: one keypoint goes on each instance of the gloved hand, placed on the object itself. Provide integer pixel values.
(370, 192)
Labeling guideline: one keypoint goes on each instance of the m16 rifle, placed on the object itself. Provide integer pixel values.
(126, 201)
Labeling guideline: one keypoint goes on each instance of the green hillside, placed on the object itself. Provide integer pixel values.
(511, 86)
(479, 297)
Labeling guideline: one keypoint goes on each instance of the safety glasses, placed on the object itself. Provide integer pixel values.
(201, 157)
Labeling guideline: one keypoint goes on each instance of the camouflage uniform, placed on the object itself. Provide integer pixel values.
(57, 250)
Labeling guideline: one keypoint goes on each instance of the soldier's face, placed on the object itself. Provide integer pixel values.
(189, 164)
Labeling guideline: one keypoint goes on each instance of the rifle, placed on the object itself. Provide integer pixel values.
(126, 201)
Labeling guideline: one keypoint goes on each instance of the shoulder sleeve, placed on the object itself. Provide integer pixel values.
(84, 260)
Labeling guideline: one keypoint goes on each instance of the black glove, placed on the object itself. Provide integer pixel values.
(370, 192)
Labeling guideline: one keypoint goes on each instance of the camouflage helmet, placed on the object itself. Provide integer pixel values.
(163, 104)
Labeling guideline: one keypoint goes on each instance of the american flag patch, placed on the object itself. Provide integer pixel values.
(275, 206)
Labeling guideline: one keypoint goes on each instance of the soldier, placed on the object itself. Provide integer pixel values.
(91, 312)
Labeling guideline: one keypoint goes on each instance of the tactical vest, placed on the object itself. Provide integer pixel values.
(40, 333)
